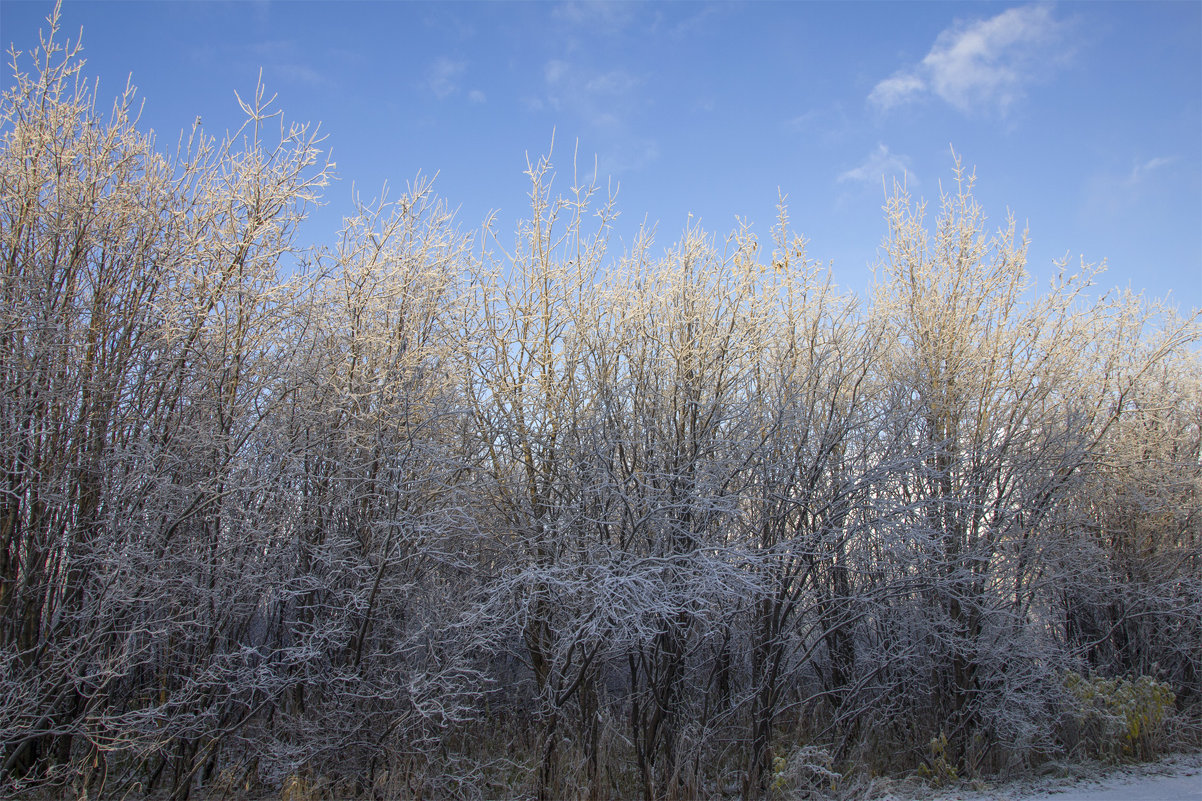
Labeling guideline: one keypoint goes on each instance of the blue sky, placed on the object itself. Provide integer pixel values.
(1083, 119)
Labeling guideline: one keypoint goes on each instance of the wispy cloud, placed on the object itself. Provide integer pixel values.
(1113, 194)
(829, 123)
(895, 90)
(878, 165)
(596, 15)
(442, 76)
(600, 99)
(605, 102)
(1141, 171)
(986, 64)
(299, 73)
(554, 71)
(698, 22)
(282, 60)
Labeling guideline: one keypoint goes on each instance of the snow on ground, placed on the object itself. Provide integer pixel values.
(1175, 778)
(1148, 788)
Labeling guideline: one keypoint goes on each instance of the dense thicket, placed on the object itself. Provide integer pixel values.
(419, 515)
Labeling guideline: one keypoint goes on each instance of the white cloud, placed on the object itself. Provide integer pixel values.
(301, 73)
(878, 164)
(476, 96)
(442, 77)
(627, 154)
(828, 123)
(615, 82)
(896, 90)
(606, 102)
(554, 71)
(280, 59)
(1113, 194)
(983, 64)
(1141, 171)
(601, 99)
(595, 15)
(696, 23)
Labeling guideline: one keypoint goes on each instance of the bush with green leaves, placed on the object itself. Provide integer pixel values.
(1120, 718)
(938, 769)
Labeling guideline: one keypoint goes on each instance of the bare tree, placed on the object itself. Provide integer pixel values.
(811, 473)
(405, 517)
(1003, 431)
(523, 385)
(140, 315)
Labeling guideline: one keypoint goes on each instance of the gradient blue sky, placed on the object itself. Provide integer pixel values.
(1083, 119)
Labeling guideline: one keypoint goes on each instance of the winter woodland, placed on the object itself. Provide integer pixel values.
(440, 512)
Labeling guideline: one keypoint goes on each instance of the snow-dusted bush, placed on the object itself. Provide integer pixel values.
(1120, 718)
(429, 517)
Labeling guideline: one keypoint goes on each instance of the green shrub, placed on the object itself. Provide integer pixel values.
(1120, 718)
(805, 770)
(938, 769)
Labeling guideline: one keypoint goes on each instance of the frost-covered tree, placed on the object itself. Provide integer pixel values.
(421, 515)
(1011, 392)
(143, 322)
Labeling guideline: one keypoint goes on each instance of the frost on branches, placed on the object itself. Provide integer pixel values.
(434, 514)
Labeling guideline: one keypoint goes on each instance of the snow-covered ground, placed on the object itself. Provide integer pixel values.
(1147, 788)
(1176, 778)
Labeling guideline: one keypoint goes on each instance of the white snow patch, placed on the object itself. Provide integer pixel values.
(1175, 778)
